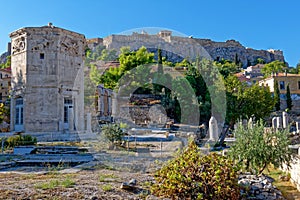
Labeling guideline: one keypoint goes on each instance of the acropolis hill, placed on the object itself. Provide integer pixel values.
(175, 48)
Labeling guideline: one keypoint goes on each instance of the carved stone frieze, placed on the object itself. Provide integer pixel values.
(41, 44)
(69, 46)
(18, 45)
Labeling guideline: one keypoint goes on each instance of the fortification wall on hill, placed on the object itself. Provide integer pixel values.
(188, 47)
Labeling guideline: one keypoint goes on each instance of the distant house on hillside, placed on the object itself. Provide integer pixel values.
(284, 79)
(254, 71)
(242, 77)
(251, 74)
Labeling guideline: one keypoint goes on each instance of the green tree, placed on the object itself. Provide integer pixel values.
(183, 63)
(7, 63)
(159, 62)
(95, 75)
(131, 59)
(108, 55)
(260, 61)
(289, 101)
(245, 101)
(113, 133)
(111, 77)
(198, 84)
(128, 60)
(276, 96)
(159, 75)
(273, 67)
(256, 149)
(4, 113)
(227, 68)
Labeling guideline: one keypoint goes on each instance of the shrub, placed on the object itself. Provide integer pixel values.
(195, 176)
(112, 132)
(256, 148)
(19, 140)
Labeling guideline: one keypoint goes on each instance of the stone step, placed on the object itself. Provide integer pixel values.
(54, 159)
(4, 165)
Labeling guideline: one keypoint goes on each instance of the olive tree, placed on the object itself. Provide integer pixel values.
(256, 148)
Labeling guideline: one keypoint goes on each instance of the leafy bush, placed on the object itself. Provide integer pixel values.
(256, 148)
(195, 176)
(112, 132)
(19, 140)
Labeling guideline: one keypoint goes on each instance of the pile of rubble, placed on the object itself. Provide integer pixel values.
(258, 187)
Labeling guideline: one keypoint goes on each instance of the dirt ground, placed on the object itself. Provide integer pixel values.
(86, 184)
(99, 179)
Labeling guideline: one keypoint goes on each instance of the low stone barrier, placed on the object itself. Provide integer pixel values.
(294, 170)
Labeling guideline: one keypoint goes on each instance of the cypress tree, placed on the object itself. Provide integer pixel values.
(276, 96)
(288, 98)
(159, 62)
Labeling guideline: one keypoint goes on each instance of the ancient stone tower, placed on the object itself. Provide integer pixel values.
(47, 80)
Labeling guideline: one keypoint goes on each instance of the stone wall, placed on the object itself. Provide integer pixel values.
(193, 47)
(294, 171)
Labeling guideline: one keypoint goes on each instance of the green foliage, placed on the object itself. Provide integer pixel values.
(4, 113)
(108, 55)
(131, 59)
(93, 55)
(159, 62)
(245, 101)
(48, 185)
(107, 187)
(183, 63)
(289, 101)
(227, 68)
(257, 148)
(260, 61)
(7, 63)
(112, 132)
(195, 176)
(20, 140)
(66, 183)
(128, 61)
(276, 96)
(95, 76)
(273, 67)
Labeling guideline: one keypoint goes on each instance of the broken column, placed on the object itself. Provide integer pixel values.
(285, 119)
(213, 129)
(71, 119)
(250, 123)
(88, 122)
(279, 122)
(274, 122)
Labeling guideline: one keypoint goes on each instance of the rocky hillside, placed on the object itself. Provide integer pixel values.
(176, 48)
(3, 57)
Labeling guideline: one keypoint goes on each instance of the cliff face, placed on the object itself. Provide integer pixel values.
(231, 48)
(187, 47)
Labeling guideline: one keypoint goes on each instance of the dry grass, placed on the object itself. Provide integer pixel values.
(289, 191)
(101, 183)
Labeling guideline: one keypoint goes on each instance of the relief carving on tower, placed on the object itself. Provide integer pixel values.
(18, 45)
(70, 46)
(41, 44)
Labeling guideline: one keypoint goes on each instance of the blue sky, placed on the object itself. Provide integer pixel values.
(259, 24)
